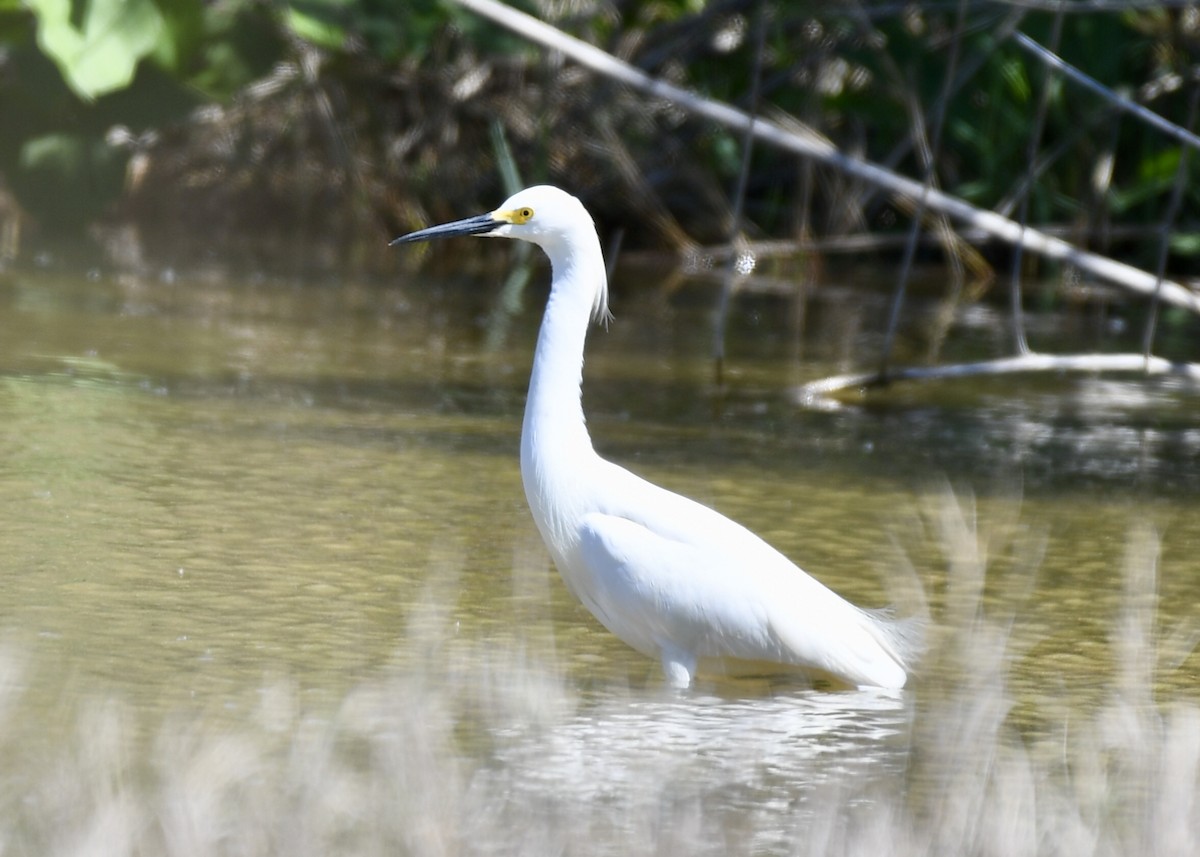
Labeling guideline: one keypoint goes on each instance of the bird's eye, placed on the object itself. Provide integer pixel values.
(523, 215)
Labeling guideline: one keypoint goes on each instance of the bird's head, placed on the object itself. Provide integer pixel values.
(543, 215)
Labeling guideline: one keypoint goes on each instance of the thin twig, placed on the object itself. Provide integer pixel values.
(929, 150)
(735, 267)
(508, 303)
(1020, 342)
(1151, 118)
(1164, 245)
(966, 72)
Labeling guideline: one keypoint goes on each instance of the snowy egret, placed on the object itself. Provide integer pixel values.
(674, 579)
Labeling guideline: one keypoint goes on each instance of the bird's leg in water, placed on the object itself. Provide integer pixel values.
(678, 666)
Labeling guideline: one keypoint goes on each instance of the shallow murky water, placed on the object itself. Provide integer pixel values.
(258, 506)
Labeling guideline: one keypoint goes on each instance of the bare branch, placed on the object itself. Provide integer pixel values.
(1052, 60)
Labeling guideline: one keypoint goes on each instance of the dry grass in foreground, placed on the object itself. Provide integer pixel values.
(493, 753)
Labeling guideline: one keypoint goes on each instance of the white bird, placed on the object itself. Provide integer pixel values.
(674, 579)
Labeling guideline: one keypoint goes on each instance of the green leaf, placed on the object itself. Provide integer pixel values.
(316, 29)
(59, 153)
(101, 53)
(1186, 243)
(183, 33)
(1013, 72)
(1161, 166)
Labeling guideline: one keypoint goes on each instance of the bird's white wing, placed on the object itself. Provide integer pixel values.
(670, 572)
(660, 593)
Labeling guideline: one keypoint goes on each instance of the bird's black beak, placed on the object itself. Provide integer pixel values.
(480, 224)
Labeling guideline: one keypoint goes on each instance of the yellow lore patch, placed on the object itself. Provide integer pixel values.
(515, 216)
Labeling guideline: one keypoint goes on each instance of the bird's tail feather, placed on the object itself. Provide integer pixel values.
(903, 638)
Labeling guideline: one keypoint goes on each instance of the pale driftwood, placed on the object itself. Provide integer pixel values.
(824, 389)
(814, 146)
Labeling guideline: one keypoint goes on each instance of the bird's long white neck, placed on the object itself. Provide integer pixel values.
(555, 445)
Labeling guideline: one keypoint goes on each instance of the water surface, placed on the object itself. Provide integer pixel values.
(252, 507)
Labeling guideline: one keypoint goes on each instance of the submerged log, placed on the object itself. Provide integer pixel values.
(823, 392)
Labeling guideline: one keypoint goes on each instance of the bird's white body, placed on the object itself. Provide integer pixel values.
(674, 579)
